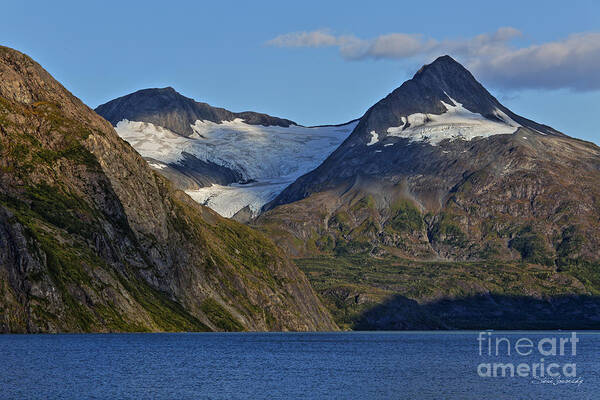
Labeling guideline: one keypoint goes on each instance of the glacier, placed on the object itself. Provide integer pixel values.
(456, 123)
(270, 157)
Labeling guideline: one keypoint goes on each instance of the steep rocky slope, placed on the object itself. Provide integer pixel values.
(439, 169)
(91, 239)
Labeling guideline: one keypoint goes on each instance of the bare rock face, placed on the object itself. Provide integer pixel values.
(398, 185)
(169, 109)
(91, 239)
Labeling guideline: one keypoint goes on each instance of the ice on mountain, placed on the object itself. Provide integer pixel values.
(273, 156)
(456, 123)
(157, 165)
(374, 138)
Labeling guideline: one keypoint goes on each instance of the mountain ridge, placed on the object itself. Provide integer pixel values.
(393, 163)
(395, 229)
(167, 108)
(431, 215)
(232, 162)
(92, 240)
(429, 92)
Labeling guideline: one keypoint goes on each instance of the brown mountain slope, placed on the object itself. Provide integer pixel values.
(510, 197)
(421, 219)
(92, 240)
(531, 193)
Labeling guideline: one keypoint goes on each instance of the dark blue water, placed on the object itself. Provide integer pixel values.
(416, 365)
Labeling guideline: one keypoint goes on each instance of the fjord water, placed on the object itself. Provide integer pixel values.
(354, 365)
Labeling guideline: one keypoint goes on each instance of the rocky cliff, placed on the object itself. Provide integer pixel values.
(91, 239)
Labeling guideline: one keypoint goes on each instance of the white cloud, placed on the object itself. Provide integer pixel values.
(319, 38)
(573, 62)
(393, 45)
(397, 45)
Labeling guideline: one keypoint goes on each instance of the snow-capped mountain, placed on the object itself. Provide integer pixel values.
(442, 106)
(169, 109)
(237, 160)
(439, 168)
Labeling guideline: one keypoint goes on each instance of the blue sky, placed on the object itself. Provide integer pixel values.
(233, 54)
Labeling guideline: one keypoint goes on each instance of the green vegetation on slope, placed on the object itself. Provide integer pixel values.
(220, 316)
(72, 267)
(405, 217)
(93, 240)
(351, 286)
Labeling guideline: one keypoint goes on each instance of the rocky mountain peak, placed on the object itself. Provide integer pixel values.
(166, 93)
(25, 81)
(168, 89)
(167, 108)
(442, 105)
(444, 80)
(433, 90)
(442, 66)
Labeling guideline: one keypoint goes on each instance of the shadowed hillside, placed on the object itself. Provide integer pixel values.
(91, 240)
